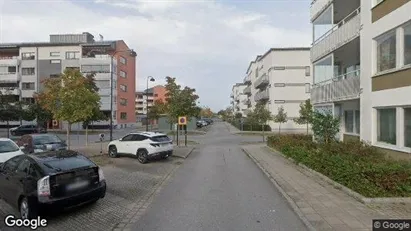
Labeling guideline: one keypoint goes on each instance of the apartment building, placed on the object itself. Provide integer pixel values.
(145, 100)
(386, 75)
(335, 56)
(239, 101)
(281, 78)
(23, 67)
(361, 56)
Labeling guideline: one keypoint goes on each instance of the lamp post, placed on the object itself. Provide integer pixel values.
(151, 79)
(132, 53)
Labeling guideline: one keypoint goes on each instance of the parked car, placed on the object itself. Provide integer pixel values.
(200, 124)
(35, 143)
(145, 145)
(208, 120)
(8, 149)
(26, 129)
(49, 181)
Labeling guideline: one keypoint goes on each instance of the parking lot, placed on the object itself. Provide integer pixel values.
(130, 189)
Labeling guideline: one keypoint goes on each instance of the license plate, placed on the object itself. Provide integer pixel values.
(77, 185)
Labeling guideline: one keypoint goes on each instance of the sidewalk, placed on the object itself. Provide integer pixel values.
(231, 128)
(319, 204)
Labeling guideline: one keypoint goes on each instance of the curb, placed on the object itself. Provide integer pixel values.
(365, 200)
(182, 157)
(284, 194)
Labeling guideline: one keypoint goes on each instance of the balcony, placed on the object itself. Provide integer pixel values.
(317, 7)
(262, 95)
(342, 33)
(9, 91)
(246, 101)
(262, 81)
(10, 77)
(9, 61)
(247, 79)
(343, 87)
(247, 90)
(98, 59)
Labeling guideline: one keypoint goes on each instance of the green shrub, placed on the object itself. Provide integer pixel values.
(250, 127)
(353, 164)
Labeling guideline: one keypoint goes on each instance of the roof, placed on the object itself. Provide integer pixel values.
(149, 134)
(43, 44)
(284, 49)
(249, 65)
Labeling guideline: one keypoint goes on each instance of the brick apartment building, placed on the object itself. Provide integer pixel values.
(143, 104)
(23, 66)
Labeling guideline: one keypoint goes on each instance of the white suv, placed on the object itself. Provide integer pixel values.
(145, 145)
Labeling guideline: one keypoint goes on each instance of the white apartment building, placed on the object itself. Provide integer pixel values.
(280, 78)
(361, 57)
(239, 100)
(386, 75)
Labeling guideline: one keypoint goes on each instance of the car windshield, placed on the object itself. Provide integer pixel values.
(8, 146)
(46, 139)
(160, 138)
(64, 164)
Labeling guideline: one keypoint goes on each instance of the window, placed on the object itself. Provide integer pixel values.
(407, 127)
(54, 54)
(123, 102)
(27, 71)
(95, 68)
(307, 88)
(386, 52)
(357, 121)
(387, 125)
(307, 71)
(279, 101)
(139, 137)
(123, 87)
(28, 100)
(23, 167)
(123, 115)
(123, 60)
(12, 163)
(349, 121)
(28, 56)
(103, 84)
(407, 45)
(155, 95)
(279, 84)
(279, 68)
(27, 86)
(72, 68)
(72, 55)
(7, 146)
(123, 74)
(55, 76)
(55, 61)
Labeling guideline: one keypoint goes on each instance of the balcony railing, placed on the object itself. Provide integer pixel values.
(247, 79)
(10, 77)
(262, 95)
(317, 7)
(262, 81)
(9, 91)
(342, 33)
(9, 61)
(343, 87)
(247, 90)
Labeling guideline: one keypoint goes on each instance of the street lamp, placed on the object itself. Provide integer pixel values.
(151, 79)
(132, 53)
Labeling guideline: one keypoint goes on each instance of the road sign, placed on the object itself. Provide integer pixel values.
(182, 120)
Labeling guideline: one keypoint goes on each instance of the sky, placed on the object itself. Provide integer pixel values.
(204, 44)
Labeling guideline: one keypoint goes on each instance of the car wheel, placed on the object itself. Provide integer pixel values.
(112, 151)
(142, 156)
(26, 210)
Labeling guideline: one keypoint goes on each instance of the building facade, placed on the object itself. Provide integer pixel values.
(23, 67)
(145, 101)
(239, 100)
(280, 78)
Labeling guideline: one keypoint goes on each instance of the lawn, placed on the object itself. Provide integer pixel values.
(354, 164)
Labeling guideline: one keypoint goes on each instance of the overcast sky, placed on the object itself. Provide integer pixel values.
(206, 44)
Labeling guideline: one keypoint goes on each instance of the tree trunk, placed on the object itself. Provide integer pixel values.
(8, 129)
(307, 128)
(279, 128)
(86, 135)
(68, 135)
(263, 133)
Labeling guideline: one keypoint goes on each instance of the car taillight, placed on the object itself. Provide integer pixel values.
(43, 186)
(100, 174)
(155, 145)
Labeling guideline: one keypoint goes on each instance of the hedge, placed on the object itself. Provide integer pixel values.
(250, 127)
(353, 164)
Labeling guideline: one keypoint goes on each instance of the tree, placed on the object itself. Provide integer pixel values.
(34, 111)
(280, 118)
(158, 108)
(325, 127)
(69, 98)
(306, 113)
(9, 109)
(238, 115)
(261, 115)
(206, 112)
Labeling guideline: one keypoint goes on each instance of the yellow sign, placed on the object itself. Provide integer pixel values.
(182, 120)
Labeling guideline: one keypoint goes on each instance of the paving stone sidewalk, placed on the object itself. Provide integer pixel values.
(318, 203)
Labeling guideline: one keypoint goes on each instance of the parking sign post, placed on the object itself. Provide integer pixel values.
(182, 121)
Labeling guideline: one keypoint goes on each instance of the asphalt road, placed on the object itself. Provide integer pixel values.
(219, 188)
